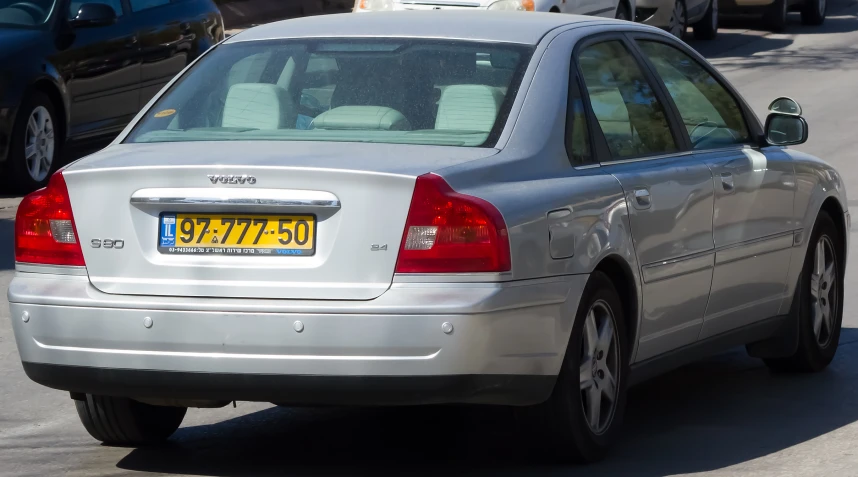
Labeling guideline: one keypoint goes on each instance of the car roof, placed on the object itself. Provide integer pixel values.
(510, 27)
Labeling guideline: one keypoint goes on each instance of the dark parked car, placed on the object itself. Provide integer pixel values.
(73, 71)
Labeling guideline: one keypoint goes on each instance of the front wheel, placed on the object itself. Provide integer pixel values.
(35, 145)
(820, 302)
(707, 27)
(123, 421)
(581, 418)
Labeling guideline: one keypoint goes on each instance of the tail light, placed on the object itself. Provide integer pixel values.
(44, 227)
(449, 232)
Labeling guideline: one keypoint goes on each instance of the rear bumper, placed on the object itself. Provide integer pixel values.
(295, 390)
(506, 339)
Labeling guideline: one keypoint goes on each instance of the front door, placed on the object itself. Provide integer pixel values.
(753, 229)
(101, 68)
(669, 195)
(166, 42)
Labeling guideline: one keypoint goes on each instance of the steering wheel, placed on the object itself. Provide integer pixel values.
(38, 13)
(715, 126)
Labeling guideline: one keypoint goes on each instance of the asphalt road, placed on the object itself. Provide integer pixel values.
(723, 416)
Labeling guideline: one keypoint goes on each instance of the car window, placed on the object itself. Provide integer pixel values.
(711, 115)
(393, 91)
(74, 6)
(19, 14)
(138, 5)
(577, 132)
(629, 113)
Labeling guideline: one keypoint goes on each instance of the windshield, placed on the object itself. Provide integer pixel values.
(454, 93)
(25, 14)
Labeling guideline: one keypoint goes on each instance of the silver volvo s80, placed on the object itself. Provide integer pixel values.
(429, 207)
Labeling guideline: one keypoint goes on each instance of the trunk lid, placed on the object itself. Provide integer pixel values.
(354, 197)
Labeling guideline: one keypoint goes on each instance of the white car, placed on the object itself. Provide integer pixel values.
(619, 9)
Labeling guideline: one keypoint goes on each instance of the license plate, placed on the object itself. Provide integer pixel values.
(237, 234)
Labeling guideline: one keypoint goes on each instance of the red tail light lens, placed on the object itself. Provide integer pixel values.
(44, 227)
(449, 232)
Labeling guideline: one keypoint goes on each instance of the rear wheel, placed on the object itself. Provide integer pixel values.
(582, 417)
(123, 421)
(35, 145)
(813, 12)
(707, 27)
(820, 302)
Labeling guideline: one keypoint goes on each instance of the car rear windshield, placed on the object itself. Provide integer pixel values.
(455, 93)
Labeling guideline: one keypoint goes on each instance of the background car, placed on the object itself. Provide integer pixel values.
(774, 12)
(72, 71)
(619, 9)
(676, 16)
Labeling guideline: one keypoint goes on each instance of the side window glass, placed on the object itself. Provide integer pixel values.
(139, 5)
(630, 115)
(74, 6)
(711, 115)
(577, 133)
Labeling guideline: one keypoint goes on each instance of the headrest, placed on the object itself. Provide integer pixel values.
(468, 107)
(260, 106)
(362, 117)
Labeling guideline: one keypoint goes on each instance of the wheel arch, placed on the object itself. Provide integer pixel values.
(52, 91)
(621, 275)
(837, 213)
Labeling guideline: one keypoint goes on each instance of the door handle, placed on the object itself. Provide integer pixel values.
(131, 42)
(559, 213)
(727, 181)
(642, 199)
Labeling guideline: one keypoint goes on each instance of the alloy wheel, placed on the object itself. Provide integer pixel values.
(39, 144)
(823, 291)
(599, 369)
(821, 4)
(678, 21)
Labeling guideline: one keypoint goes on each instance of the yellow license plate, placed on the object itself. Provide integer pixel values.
(237, 234)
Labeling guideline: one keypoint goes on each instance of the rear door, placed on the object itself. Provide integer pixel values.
(753, 229)
(669, 192)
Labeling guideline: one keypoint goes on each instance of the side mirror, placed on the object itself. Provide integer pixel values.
(784, 125)
(93, 15)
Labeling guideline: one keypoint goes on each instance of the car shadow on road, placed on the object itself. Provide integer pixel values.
(710, 415)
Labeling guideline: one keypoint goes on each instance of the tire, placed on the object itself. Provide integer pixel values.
(678, 26)
(813, 12)
(561, 419)
(623, 12)
(123, 421)
(816, 350)
(775, 17)
(707, 27)
(19, 178)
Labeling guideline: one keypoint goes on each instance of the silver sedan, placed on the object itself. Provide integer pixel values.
(429, 207)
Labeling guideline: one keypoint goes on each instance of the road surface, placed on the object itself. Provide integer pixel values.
(726, 416)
